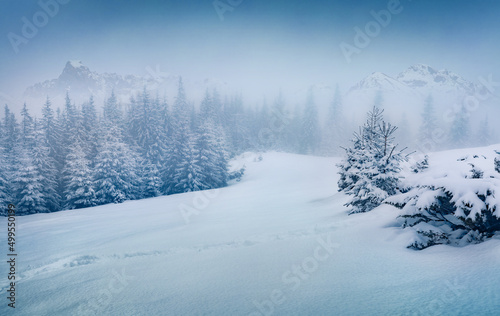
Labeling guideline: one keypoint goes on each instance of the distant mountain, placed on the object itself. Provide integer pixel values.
(406, 93)
(81, 82)
(424, 78)
(381, 81)
(420, 79)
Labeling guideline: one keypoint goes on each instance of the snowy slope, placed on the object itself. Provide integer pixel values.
(277, 243)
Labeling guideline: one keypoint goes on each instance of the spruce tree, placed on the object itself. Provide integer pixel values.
(484, 134)
(79, 192)
(46, 168)
(335, 126)
(11, 144)
(293, 132)
(236, 126)
(112, 111)
(147, 130)
(370, 172)
(115, 172)
(279, 121)
(210, 157)
(180, 145)
(151, 183)
(27, 129)
(51, 131)
(188, 173)
(11, 134)
(5, 184)
(90, 126)
(429, 124)
(459, 131)
(310, 131)
(26, 179)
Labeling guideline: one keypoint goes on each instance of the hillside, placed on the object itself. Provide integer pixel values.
(277, 243)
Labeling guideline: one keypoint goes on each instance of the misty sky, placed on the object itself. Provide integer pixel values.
(260, 43)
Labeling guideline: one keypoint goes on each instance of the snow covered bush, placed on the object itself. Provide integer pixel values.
(237, 174)
(451, 202)
(420, 166)
(497, 163)
(370, 172)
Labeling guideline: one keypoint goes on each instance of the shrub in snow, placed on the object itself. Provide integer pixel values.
(237, 174)
(497, 163)
(370, 172)
(456, 206)
(420, 166)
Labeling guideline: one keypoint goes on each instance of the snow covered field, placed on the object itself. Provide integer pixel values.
(277, 243)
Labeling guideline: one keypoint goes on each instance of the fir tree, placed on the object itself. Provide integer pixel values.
(404, 134)
(279, 121)
(293, 132)
(10, 143)
(459, 131)
(188, 173)
(10, 134)
(28, 195)
(483, 137)
(89, 130)
(146, 127)
(311, 135)
(497, 163)
(46, 168)
(210, 157)
(79, 191)
(5, 187)
(50, 130)
(429, 124)
(369, 174)
(27, 129)
(112, 111)
(335, 126)
(115, 172)
(71, 123)
(180, 145)
(52, 134)
(236, 126)
(151, 183)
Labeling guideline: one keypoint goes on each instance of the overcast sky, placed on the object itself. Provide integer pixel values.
(260, 43)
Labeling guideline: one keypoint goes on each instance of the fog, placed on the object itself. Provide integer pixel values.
(202, 157)
(253, 48)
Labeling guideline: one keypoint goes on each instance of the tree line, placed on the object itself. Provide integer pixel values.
(80, 156)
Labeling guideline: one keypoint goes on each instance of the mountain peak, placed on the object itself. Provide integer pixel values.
(378, 81)
(75, 63)
(422, 68)
(73, 66)
(424, 76)
(82, 82)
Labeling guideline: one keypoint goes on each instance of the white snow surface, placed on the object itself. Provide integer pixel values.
(238, 255)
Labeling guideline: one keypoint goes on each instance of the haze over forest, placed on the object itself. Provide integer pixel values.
(256, 48)
(250, 157)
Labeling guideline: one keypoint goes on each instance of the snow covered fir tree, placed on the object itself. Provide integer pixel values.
(453, 202)
(370, 172)
(79, 158)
